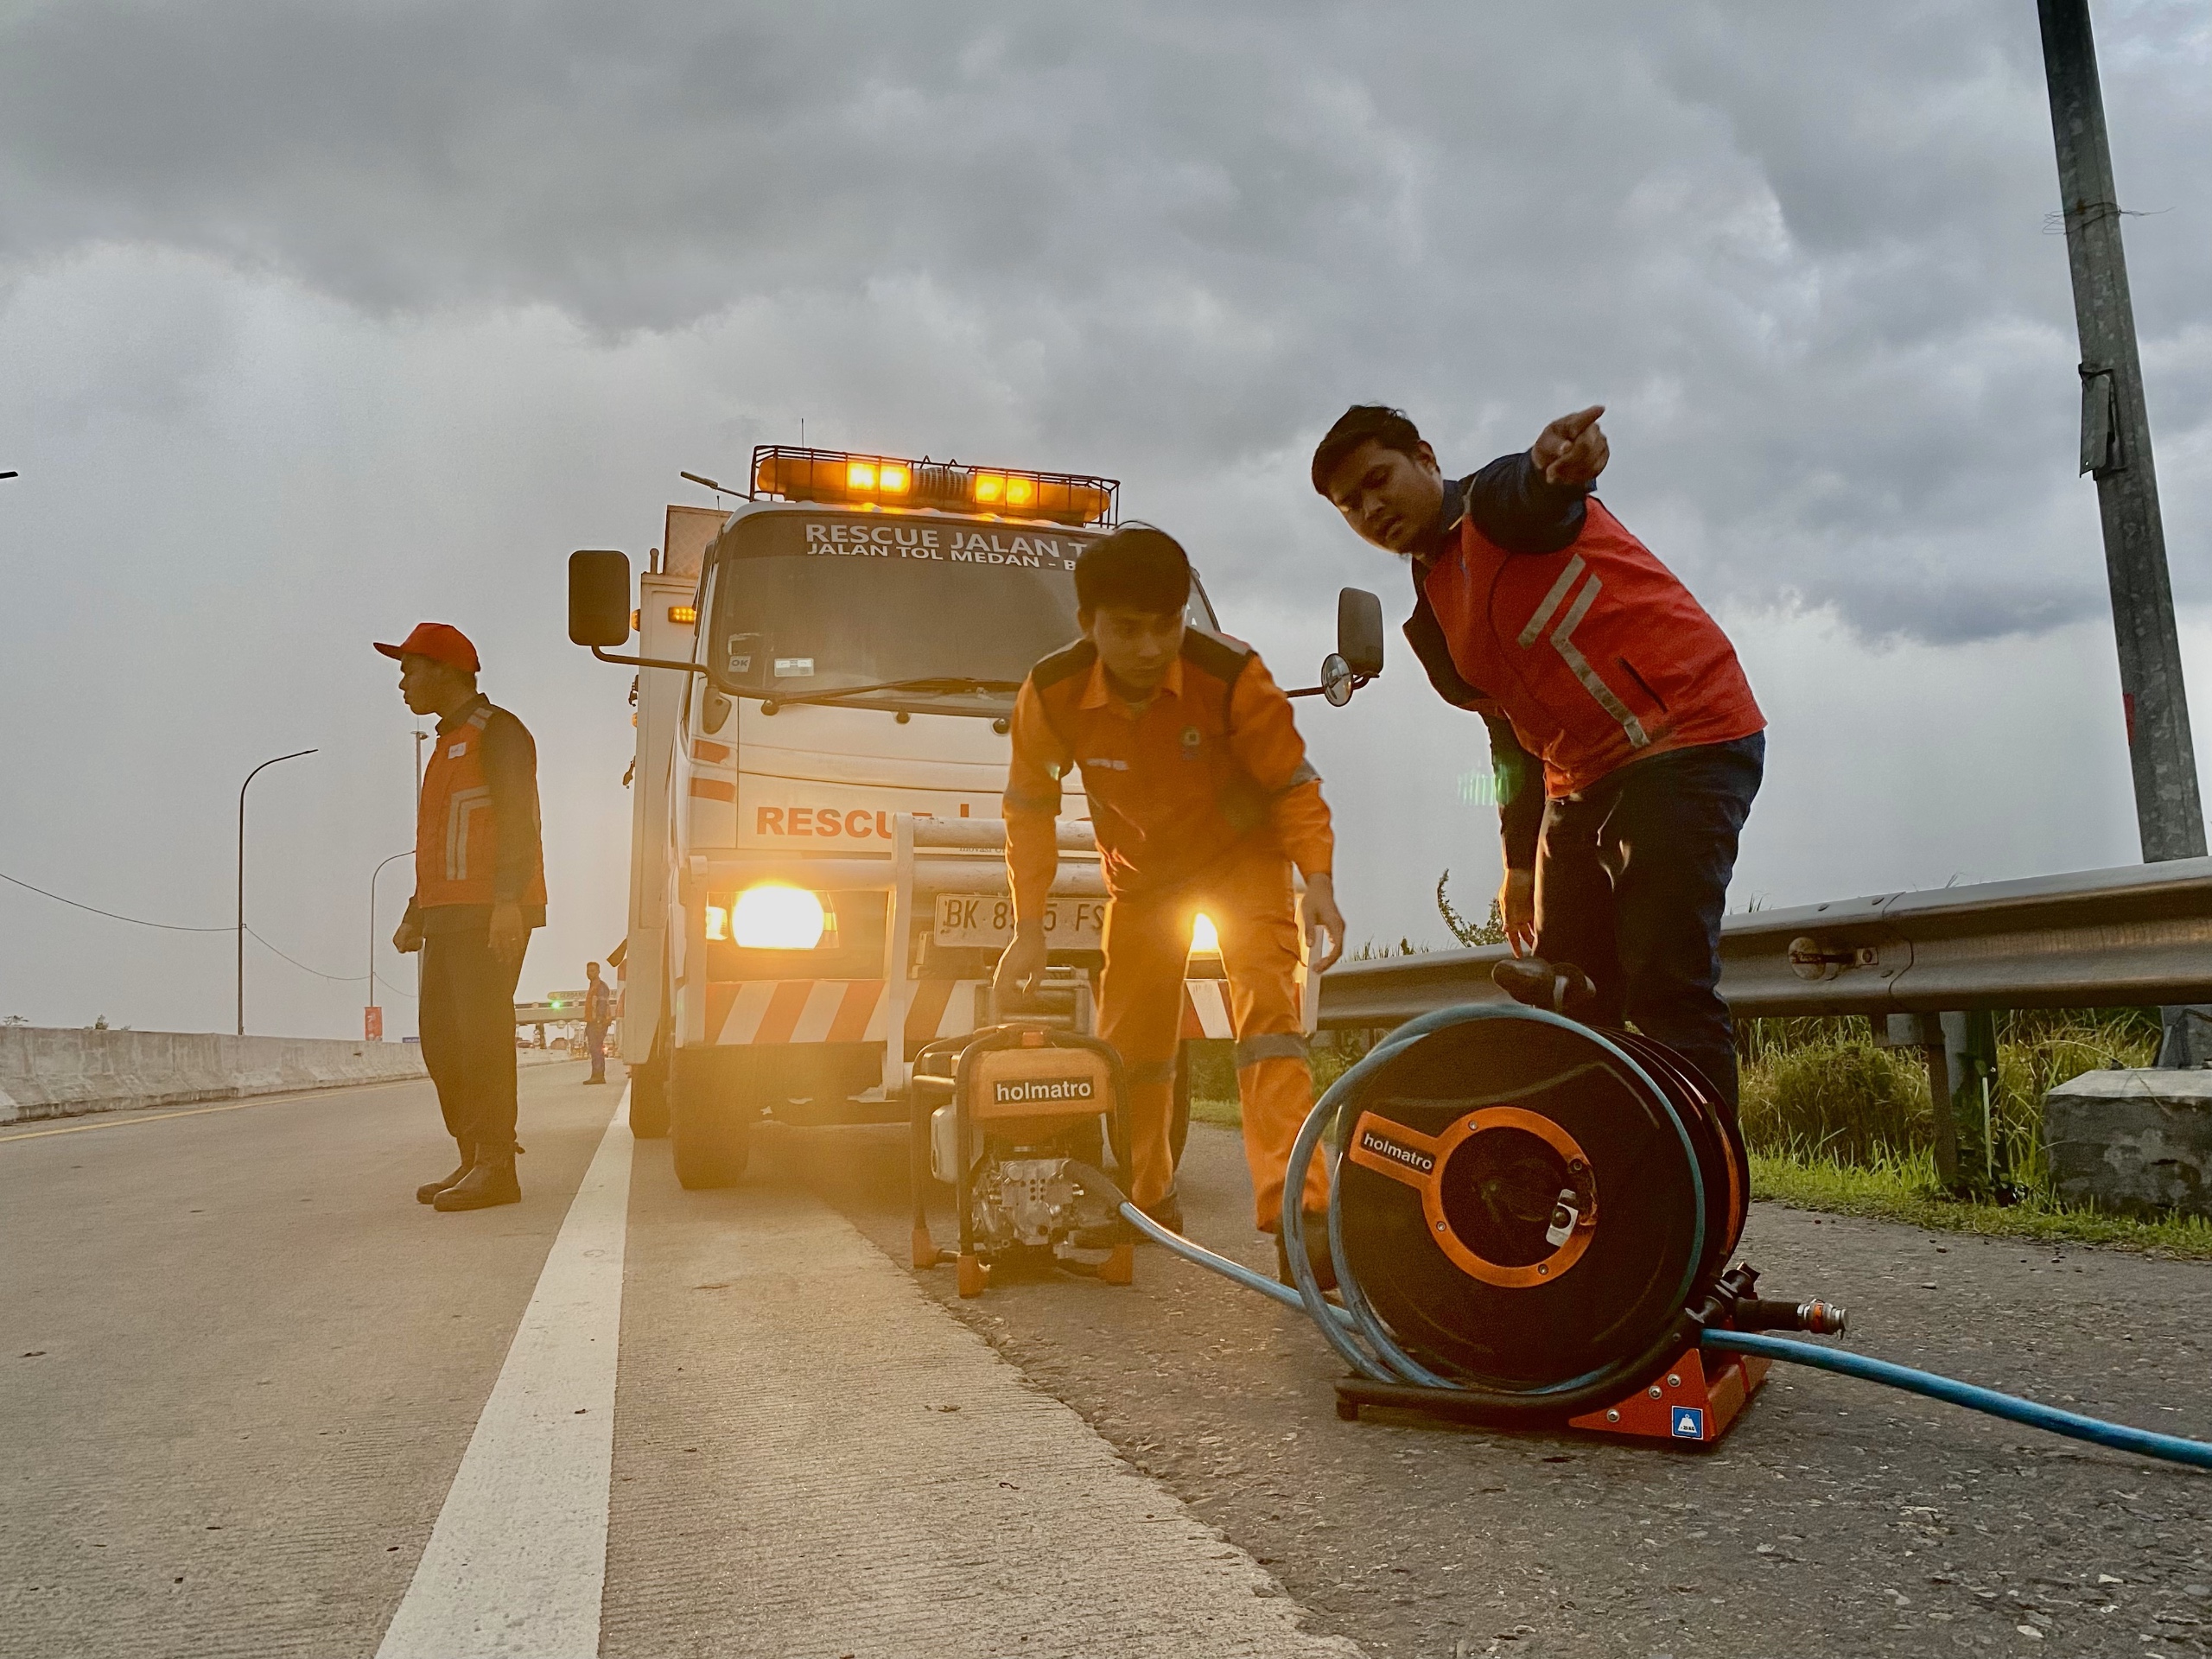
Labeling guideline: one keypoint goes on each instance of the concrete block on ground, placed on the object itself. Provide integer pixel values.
(2137, 1143)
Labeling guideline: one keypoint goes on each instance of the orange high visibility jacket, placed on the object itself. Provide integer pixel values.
(1212, 765)
(463, 854)
(1597, 652)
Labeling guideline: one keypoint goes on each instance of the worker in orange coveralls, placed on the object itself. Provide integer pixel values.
(1202, 799)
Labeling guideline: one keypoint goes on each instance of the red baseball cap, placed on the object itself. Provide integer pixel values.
(440, 641)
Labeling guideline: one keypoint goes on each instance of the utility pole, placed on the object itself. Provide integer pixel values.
(2116, 452)
(2116, 447)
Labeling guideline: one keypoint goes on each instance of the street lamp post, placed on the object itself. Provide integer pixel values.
(377, 872)
(249, 777)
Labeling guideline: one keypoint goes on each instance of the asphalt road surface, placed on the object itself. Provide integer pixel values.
(1836, 1518)
(253, 1400)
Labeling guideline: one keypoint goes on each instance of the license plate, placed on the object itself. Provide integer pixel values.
(974, 918)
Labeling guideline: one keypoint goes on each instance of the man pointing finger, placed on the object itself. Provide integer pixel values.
(1536, 608)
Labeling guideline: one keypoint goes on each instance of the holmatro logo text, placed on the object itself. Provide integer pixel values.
(1028, 1089)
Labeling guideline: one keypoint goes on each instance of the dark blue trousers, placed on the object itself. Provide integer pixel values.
(1631, 879)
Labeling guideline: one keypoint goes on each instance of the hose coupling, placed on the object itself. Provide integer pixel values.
(1822, 1319)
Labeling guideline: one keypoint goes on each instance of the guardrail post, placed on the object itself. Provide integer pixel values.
(1962, 1087)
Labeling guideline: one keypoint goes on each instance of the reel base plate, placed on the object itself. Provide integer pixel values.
(1687, 1404)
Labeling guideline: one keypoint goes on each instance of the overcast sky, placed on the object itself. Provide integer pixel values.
(317, 320)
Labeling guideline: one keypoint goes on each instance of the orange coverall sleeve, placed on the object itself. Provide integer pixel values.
(1264, 738)
(1032, 806)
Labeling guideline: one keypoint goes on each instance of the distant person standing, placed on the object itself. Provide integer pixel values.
(598, 1014)
(479, 888)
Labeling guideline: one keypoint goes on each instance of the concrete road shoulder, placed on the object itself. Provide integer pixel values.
(814, 1458)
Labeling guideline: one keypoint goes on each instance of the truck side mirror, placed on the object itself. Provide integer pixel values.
(1359, 632)
(599, 598)
(1358, 656)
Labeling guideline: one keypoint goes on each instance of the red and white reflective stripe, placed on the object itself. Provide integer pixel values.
(786, 1011)
(714, 771)
(781, 1011)
(1205, 1009)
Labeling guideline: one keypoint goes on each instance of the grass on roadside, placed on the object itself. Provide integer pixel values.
(1226, 1113)
(1905, 1189)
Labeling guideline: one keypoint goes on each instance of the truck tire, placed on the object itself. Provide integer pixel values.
(649, 1101)
(710, 1129)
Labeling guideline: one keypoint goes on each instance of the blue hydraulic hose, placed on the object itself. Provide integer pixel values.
(2170, 1447)
(1383, 1361)
(1235, 1271)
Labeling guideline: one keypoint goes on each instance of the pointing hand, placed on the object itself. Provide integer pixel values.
(1573, 448)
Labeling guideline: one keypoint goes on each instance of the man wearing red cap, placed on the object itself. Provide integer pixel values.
(480, 887)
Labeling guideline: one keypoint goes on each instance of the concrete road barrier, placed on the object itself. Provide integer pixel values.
(2135, 1141)
(62, 1073)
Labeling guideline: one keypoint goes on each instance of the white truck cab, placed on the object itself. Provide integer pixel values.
(817, 879)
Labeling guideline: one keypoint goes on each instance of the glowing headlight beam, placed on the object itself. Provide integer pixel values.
(771, 918)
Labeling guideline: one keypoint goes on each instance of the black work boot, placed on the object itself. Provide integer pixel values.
(1167, 1210)
(491, 1180)
(1560, 986)
(1317, 1252)
(428, 1193)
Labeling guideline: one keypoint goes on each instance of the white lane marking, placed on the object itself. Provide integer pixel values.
(518, 1560)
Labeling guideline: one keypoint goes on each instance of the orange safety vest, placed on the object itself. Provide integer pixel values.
(456, 836)
(1167, 797)
(1597, 654)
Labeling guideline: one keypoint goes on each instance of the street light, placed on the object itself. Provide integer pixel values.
(377, 872)
(249, 777)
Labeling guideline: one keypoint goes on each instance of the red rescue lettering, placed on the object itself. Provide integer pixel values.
(802, 821)
(826, 822)
(854, 829)
(768, 820)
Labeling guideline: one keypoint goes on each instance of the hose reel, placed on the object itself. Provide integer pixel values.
(1531, 1225)
(1527, 1204)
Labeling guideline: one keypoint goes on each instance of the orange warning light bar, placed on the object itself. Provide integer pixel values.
(787, 472)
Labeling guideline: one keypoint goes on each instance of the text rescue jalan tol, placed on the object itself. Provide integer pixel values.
(885, 541)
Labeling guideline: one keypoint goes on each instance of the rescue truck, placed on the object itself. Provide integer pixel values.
(824, 684)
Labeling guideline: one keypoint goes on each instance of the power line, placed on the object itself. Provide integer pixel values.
(173, 927)
(340, 979)
(113, 916)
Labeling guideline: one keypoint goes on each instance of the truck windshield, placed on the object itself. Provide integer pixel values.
(809, 603)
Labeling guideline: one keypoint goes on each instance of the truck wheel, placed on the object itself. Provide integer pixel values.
(710, 1132)
(649, 1101)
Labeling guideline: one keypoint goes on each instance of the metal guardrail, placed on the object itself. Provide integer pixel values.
(2135, 937)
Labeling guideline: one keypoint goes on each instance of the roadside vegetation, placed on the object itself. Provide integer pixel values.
(1837, 1123)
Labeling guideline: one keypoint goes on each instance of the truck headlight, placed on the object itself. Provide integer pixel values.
(771, 918)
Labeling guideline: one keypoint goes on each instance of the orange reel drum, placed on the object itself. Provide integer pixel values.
(1526, 1203)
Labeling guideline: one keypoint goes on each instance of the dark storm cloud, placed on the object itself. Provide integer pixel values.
(1802, 258)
